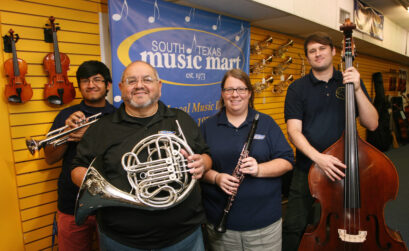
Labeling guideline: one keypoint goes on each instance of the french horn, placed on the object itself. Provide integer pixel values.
(157, 173)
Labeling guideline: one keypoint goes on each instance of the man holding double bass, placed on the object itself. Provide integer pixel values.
(315, 116)
(94, 82)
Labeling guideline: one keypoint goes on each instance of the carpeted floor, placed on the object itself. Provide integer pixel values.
(397, 211)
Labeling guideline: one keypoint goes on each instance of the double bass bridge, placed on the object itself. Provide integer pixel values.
(353, 238)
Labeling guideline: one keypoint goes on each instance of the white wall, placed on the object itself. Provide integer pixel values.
(326, 12)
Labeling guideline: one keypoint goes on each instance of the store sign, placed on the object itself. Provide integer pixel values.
(191, 50)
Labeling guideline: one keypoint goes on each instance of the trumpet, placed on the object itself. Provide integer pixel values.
(59, 136)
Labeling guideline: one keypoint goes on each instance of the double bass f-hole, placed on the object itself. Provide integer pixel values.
(59, 90)
(352, 209)
(17, 90)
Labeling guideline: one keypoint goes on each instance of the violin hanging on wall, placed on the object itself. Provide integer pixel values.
(17, 90)
(59, 90)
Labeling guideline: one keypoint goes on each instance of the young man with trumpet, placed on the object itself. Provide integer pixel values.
(94, 82)
(137, 221)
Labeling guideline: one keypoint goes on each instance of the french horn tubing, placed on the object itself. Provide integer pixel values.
(157, 173)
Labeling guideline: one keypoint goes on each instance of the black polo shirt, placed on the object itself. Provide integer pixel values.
(117, 134)
(321, 108)
(67, 191)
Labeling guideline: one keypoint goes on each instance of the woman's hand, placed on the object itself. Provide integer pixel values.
(249, 166)
(227, 183)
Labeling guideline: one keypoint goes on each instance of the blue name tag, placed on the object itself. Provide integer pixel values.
(259, 136)
(166, 132)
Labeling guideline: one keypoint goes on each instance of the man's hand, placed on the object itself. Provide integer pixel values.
(195, 163)
(73, 121)
(351, 75)
(330, 165)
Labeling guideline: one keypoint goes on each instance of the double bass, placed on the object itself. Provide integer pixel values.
(17, 90)
(352, 209)
(59, 90)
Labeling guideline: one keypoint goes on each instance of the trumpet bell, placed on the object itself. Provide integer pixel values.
(32, 145)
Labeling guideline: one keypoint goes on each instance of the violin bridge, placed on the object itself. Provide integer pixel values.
(356, 238)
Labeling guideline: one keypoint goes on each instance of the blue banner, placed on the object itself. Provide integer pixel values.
(190, 48)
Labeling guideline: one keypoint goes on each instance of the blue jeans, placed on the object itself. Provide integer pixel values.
(193, 242)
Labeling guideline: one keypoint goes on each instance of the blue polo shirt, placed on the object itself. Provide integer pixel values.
(67, 191)
(258, 200)
(321, 108)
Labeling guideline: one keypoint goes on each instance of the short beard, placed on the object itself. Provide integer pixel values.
(322, 68)
(132, 103)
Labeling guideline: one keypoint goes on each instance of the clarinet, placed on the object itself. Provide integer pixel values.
(221, 228)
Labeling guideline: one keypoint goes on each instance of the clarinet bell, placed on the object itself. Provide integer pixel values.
(221, 228)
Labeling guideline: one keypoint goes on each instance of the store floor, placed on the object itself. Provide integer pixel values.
(397, 211)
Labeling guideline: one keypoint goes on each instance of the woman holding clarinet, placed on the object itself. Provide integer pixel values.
(250, 154)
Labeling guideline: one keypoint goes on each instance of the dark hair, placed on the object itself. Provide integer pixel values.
(240, 75)
(318, 37)
(91, 68)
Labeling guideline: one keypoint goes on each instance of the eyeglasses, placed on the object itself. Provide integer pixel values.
(96, 80)
(240, 90)
(147, 80)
